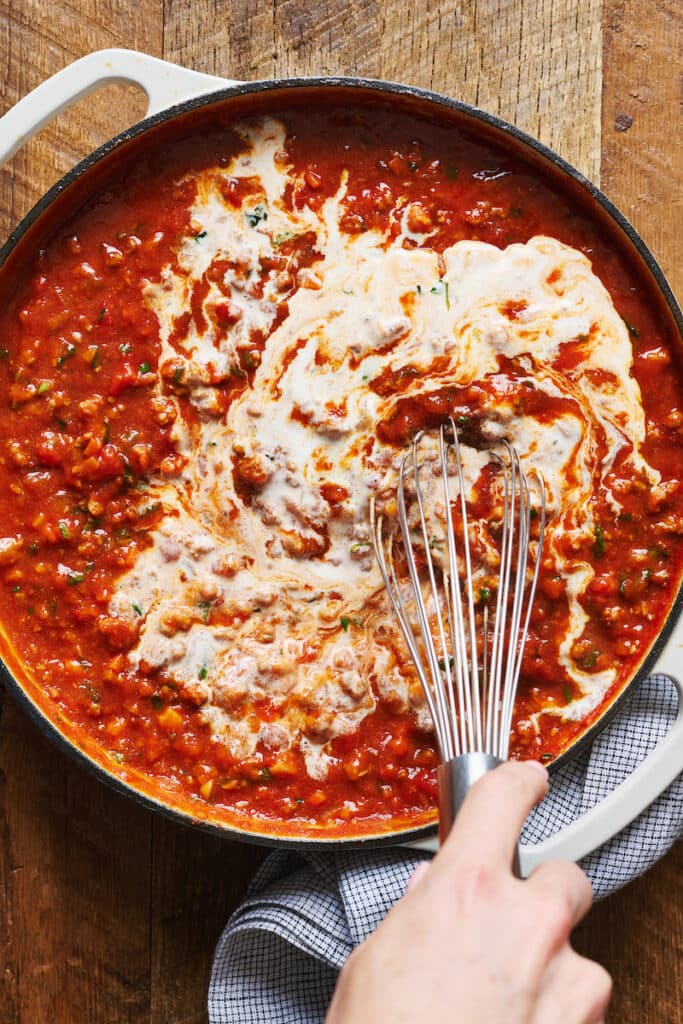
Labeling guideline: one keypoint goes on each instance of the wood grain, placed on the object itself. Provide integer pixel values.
(108, 915)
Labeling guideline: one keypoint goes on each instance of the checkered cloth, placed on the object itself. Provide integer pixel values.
(279, 956)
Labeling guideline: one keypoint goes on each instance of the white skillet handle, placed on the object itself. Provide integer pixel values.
(652, 776)
(617, 810)
(164, 84)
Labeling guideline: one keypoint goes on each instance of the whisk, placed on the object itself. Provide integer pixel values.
(465, 640)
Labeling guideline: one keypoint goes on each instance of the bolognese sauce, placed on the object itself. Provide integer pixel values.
(211, 366)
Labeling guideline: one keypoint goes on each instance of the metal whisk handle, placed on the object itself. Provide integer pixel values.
(456, 778)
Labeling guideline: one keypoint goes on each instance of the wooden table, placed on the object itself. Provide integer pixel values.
(107, 914)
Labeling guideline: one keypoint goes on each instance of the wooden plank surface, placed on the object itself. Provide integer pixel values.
(108, 915)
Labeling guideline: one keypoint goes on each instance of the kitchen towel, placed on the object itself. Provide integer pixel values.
(304, 913)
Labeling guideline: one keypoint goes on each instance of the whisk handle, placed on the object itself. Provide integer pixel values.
(456, 778)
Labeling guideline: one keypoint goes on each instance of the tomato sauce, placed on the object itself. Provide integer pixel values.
(83, 429)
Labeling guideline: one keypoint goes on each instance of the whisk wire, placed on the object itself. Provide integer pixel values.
(471, 700)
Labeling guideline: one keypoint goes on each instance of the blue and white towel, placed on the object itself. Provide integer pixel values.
(280, 954)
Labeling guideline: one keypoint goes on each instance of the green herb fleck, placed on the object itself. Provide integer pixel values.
(546, 757)
(117, 756)
(359, 546)
(4, 352)
(101, 315)
(201, 234)
(44, 386)
(588, 660)
(125, 348)
(418, 289)
(178, 374)
(204, 610)
(64, 530)
(484, 595)
(157, 702)
(256, 215)
(345, 621)
(75, 578)
(441, 288)
(33, 548)
(202, 672)
(279, 240)
(568, 695)
(137, 609)
(70, 349)
(599, 543)
(95, 361)
(265, 775)
(145, 368)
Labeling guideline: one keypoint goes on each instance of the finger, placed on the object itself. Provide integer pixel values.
(574, 990)
(563, 881)
(487, 827)
(417, 875)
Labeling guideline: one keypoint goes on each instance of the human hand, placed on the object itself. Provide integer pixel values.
(471, 944)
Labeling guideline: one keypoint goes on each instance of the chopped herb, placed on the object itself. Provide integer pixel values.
(157, 702)
(101, 315)
(462, 421)
(347, 620)
(299, 800)
(279, 240)
(625, 517)
(546, 757)
(44, 386)
(412, 166)
(70, 349)
(568, 695)
(264, 775)
(533, 513)
(622, 583)
(95, 361)
(359, 546)
(33, 548)
(201, 234)
(256, 215)
(631, 328)
(137, 609)
(16, 588)
(441, 288)
(117, 756)
(4, 352)
(178, 374)
(588, 660)
(205, 610)
(442, 663)
(145, 368)
(418, 289)
(125, 348)
(599, 543)
(365, 377)
(202, 672)
(75, 578)
(658, 552)
(348, 291)
(64, 530)
(484, 595)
